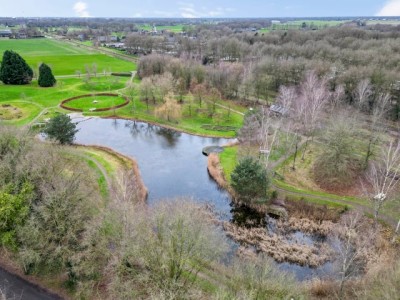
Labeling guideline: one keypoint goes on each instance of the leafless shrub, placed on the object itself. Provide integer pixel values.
(278, 247)
(354, 243)
(304, 210)
(162, 249)
(257, 278)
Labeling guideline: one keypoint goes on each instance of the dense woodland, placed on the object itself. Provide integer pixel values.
(254, 66)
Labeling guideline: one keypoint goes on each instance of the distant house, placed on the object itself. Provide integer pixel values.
(5, 33)
(275, 22)
(278, 109)
(107, 39)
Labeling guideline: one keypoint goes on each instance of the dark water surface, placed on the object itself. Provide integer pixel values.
(171, 163)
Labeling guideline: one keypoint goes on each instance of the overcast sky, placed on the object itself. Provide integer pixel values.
(198, 8)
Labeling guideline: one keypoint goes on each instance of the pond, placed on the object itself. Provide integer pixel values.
(172, 165)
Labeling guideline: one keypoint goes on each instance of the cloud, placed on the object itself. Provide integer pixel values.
(188, 10)
(391, 8)
(80, 9)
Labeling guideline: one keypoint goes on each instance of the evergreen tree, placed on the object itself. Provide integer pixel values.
(250, 180)
(46, 77)
(14, 69)
(62, 129)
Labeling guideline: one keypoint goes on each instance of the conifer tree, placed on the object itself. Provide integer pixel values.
(14, 69)
(46, 77)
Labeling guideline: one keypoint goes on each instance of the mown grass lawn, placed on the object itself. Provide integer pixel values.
(63, 58)
(97, 102)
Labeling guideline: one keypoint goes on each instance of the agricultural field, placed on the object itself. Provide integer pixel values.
(318, 24)
(63, 58)
(172, 28)
(384, 22)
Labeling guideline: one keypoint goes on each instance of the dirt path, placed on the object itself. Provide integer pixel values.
(227, 108)
(99, 166)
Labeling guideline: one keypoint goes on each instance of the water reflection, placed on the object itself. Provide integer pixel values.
(172, 165)
(247, 217)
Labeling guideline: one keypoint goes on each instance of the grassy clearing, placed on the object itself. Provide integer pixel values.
(98, 102)
(18, 113)
(101, 180)
(228, 159)
(63, 58)
(193, 118)
(102, 84)
(67, 59)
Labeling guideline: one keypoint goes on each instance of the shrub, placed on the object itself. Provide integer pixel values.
(14, 69)
(250, 180)
(46, 77)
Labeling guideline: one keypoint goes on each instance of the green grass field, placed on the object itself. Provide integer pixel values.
(88, 103)
(40, 98)
(63, 58)
(174, 28)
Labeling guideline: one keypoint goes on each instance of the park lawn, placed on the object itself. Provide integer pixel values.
(26, 112)
(87, 103)
(42, 47)
(64, 58)
(71, 64)
(102, 84)
(50, 99)
(228, 159)
(192, 124)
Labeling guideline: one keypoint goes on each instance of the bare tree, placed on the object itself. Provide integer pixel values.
(131, 93)
(379, 111)
(314, 96)
(352, 239)
(170, 110)
(383, 176)
(362, 93)
(94, 69)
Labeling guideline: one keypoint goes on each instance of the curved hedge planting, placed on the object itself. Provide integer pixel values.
(62, 104)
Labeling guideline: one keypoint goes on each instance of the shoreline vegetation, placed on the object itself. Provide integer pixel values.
(129, 163)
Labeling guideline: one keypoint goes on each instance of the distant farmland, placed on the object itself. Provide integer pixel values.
(64, 59)
(172, 28)
(309, 23)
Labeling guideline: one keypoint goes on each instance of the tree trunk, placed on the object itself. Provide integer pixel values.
(305, 150)
(295, 155)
